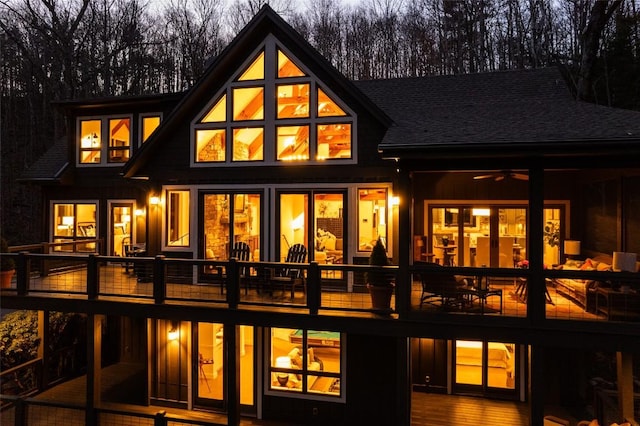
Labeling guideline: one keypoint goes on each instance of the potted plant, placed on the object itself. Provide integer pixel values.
(380, 283)
(7, 265)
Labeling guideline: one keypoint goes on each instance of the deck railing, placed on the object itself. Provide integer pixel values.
(612, 296)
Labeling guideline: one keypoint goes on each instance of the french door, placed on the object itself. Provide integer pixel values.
(485, 367)
(121, 226)
(209, 367)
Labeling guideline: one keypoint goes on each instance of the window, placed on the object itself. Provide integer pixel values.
(71, 222)
(148, 123)
(306, 362)
(372, 217)
(310, 124)
(178, 218)
(93, 132)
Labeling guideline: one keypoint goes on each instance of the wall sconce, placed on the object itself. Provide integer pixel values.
(154, 200)
(283, 362)
(139, 212)
(571, 248)
(174, 331)
(394, 201)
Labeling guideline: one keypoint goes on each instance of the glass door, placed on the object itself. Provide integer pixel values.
(328, 232)
(210, 364)
(293, 211)
(484, 367)
(121, 215)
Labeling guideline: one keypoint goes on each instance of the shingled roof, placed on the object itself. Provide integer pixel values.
(50, 166)
(519, 109)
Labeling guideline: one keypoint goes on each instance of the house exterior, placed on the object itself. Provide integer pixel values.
(495, 175)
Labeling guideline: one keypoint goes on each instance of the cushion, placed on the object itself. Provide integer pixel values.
(603, 267)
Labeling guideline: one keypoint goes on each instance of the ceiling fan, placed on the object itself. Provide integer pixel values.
(498, 176)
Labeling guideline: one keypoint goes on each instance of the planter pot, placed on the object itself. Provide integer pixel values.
(5, 278)
(381, 297)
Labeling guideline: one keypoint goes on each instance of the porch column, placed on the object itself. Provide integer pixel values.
(94, 362)
(536, 301)
(624, 368)
(403, 381)
(536, 384)
(232, 350)
(405, 240)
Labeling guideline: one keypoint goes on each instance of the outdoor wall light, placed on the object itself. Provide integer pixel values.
(139, 212)
(174, 331)
(154, 200)
(394, 201)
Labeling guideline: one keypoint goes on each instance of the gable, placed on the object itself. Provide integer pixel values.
(238, 113)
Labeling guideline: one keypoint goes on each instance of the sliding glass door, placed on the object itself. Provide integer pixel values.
(484, 367)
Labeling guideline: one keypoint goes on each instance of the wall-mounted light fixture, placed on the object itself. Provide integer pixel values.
(139, 212)
(394, 201)
(154, 200)
(174, 331)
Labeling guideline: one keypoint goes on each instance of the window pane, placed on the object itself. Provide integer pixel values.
(218, 113)
(248, 103)
(149, 124)
(299, 355)
(372, 217)
(255, 71)
(286, 67)
(210, 145)
(90, 141)
(293, 143)
(327, 107)
(64, 220)
(293, 101)
(210, 361)
(119, 140)
(328, 232)
(293, 221)
(216, 226)
(248, 144)
(334, 141)
(178, 220)
(246, 222)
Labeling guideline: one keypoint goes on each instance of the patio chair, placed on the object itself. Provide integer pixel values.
(290, 276)
(242, 252)
(442, 288)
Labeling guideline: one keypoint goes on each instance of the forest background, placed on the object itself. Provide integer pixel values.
(53, 50)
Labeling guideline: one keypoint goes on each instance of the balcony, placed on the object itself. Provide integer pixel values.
(325, 289)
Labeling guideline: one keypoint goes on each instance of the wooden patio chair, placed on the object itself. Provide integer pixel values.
(442, 288)
(242, 252)
(289, 275)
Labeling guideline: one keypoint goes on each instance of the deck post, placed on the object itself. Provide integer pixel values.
(93, 282)
(313, 288)
(159, 279)
(233, 283)
(22, 274)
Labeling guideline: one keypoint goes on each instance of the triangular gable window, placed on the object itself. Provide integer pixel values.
(218, 113)
(255, 71)
(274, 110)
(286, 67)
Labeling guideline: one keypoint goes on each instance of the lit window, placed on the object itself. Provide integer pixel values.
(149, 124)
(178, 218)
(293, 101)
(327, 107)
(218, 113)
(72, 222)
(90, 141)
(210, 145)
(372, 217)
(310, 124)
(286, 67)
(334, 141)
(248, 103)
(293, 143)
(306, 361)
(248, 143)
(255, 71)
(119, 140)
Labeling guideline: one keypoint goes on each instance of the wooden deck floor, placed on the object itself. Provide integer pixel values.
(428, 409)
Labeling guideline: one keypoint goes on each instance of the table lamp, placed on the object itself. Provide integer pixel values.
(283, 362)
(571, 248)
